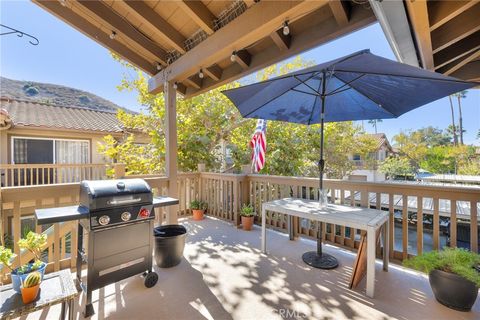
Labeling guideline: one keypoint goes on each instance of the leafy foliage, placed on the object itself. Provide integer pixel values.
(396, 167)
(247, 211)
(6, 257)
(34, 243)
(452, 260)
(198, 205)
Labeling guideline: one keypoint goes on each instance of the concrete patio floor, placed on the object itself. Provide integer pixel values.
(224, 276)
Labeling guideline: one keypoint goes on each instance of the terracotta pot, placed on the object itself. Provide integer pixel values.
(30, 294)
(247, 223)
(198, 214)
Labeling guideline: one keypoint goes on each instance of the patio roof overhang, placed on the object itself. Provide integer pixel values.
(442, 36)
(183, 37)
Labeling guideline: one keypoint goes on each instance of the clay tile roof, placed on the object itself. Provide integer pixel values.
(36, 114)
(380, 139)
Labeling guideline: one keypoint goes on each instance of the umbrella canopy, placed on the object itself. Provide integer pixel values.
(361, 86)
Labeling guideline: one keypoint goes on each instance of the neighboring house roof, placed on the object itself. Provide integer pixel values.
(43, 115)
(380, 139)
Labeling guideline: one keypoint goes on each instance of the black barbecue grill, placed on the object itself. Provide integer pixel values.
(118, 217)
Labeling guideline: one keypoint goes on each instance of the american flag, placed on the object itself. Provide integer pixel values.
(259, 145)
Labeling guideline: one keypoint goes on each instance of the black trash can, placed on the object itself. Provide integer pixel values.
(169, 244)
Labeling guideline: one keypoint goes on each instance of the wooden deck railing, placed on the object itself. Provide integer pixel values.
(15, 175)
(225, 194)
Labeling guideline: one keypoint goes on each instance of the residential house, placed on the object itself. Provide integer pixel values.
(366, 167)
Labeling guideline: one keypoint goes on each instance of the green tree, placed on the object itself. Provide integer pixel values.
(374, 123)
(395, 167)
(453, 126)
(460, 95)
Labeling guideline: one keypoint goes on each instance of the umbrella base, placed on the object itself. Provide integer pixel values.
(323, 261)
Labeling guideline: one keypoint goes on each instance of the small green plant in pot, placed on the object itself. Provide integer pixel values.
(198, 207)
(248, 214)
(34, 243)
(30, 286)
(454, 275)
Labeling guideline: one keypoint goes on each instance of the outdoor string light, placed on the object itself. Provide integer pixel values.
(113, 35)
(200, 74)
(286, 28)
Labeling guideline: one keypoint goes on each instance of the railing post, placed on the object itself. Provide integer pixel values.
(118, 170)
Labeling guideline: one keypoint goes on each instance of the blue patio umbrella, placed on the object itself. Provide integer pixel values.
(360, 86)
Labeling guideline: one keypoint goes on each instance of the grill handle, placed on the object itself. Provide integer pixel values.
(126, 201)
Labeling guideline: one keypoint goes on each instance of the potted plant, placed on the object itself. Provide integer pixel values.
(454, 275)
(30, 286)
(34, 243)
(248, 214)
(198, 207)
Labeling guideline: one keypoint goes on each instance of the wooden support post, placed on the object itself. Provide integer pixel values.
(171, 148)
(118, 170)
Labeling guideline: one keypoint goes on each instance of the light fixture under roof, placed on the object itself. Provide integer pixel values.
(175, 86)
(200, 74)
(286, 28)
(113, 35)
(233, 57)
(159, 66)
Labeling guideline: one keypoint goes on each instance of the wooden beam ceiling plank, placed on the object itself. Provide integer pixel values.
(148, 16)
(457, 64)
(119, 25)
(199, 14)
(418, 13)
(456, 29)
(440, 12)
(254, 24)
(194, 82)
(457, 50)
(281, 41)
(214, 72)
(93, 32)
(243, 58)
(341, 11)
(322, 33)
(469, 72)
(250, 3)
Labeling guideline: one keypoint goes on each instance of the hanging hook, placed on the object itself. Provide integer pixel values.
(34, 41)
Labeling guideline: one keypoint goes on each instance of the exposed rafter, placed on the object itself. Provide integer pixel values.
(199, 13)
(458, 50)
(145, 14)
(243, 58)
(470, 71)
(101, 37)
(456, 29)
(316, 35)
(194, 82)
(214, 72)
(256, 23)
(419, 19)
(440, 12)
(281, 41)
(108, 17)
(457, 64)
(341, 11)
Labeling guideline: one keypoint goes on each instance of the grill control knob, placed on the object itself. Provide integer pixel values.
(126, 216)
(104, 220)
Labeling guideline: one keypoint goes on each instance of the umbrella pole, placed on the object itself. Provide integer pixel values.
(318, 259)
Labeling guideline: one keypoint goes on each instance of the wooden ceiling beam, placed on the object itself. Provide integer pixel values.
(214, 72)
(250, 3)
(194, 81)
(417, 10)
(256, 23)
(281, 41)
(440, 12)
(323, 32)
(199, 14)
(459, 63)
(457, 50)
(108, 17)
(469, 72)
(341, 11)
(149, 17)
(456, 29)
(92, 31)
(243, 58)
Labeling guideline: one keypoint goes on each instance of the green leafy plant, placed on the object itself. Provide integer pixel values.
(198, 205)
(34, 243)
(6, 257)
(247, 211)
(453, 260)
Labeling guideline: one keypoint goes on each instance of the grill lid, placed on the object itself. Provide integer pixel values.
(102, 194)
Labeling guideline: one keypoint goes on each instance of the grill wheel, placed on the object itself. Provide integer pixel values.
(151, 279)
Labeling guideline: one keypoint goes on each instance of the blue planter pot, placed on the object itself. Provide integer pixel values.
(17, 279)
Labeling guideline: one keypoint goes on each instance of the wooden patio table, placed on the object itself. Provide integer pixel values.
(56, 287)
(370, 220)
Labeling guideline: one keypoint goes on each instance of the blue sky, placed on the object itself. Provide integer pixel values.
(67, 57)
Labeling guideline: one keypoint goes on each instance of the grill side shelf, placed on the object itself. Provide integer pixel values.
(61, 214)
(164, 201)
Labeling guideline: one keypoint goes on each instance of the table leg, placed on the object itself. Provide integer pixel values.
(264, 231)
(290, 227)
(62, 313)
(386, 240)
(370, 262)
(70, 309)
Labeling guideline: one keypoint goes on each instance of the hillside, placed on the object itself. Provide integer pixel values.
(55, 94)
